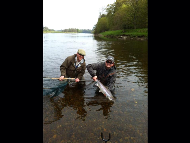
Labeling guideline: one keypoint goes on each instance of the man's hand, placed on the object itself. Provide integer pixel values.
(94, 78)
(61, 78)
(77, 80)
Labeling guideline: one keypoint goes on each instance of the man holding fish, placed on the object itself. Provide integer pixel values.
(74, 67)
(105, 72)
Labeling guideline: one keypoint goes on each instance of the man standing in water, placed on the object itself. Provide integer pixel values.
(105, 72)
(74, 66)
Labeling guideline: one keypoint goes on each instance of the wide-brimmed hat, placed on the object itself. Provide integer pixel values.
(82, 52)
(111, 58)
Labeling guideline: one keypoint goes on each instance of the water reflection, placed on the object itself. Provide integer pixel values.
(95, 98)
(105, 106)
(77, 97)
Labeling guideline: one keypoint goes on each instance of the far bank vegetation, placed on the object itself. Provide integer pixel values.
(123, 15)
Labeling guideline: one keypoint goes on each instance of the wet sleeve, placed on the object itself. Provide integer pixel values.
(91, 69)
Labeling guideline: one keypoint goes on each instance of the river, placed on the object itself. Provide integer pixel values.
(78, 114)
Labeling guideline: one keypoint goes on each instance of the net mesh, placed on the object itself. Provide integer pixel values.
(52, 87)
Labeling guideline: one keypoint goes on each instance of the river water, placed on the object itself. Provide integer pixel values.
(78, 114)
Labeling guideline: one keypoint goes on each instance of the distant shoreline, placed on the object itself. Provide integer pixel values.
(62, 32)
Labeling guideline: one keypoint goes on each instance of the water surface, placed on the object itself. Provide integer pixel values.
(78, 114)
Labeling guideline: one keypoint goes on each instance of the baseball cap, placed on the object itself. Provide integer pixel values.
(111, 58)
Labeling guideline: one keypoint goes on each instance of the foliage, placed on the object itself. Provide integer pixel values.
(46, 29)
(123, 14)
(70, 30)
(84, 31)
(102, 25)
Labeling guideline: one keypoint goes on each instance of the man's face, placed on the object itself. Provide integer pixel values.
(79, 57)
(109, 64)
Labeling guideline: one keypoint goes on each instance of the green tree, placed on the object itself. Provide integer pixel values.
(123, 14)
(101, 26)
(110, 14)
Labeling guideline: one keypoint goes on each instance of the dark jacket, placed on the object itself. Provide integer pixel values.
(106, 76)
(68, 68)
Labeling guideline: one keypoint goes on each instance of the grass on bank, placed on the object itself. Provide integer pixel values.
(127, 32)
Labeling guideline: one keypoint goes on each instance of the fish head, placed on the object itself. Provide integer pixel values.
(110, 98)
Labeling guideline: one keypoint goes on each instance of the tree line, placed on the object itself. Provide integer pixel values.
(123, 14)
(74, 30)
(45, 28)
(77, 30)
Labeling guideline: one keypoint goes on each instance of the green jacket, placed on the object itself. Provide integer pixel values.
(68, 68)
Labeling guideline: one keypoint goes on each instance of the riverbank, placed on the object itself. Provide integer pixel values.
(139, 34)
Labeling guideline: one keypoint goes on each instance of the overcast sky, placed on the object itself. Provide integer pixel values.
(80, 14)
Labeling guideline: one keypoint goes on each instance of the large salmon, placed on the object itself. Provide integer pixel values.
(104, 90)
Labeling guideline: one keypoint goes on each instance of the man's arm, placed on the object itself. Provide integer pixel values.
(63, 67)
(91, 68)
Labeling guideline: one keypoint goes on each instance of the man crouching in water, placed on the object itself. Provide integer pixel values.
(74, 66)
(105, 73)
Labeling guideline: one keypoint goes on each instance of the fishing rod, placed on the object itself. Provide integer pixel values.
(57, 78)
